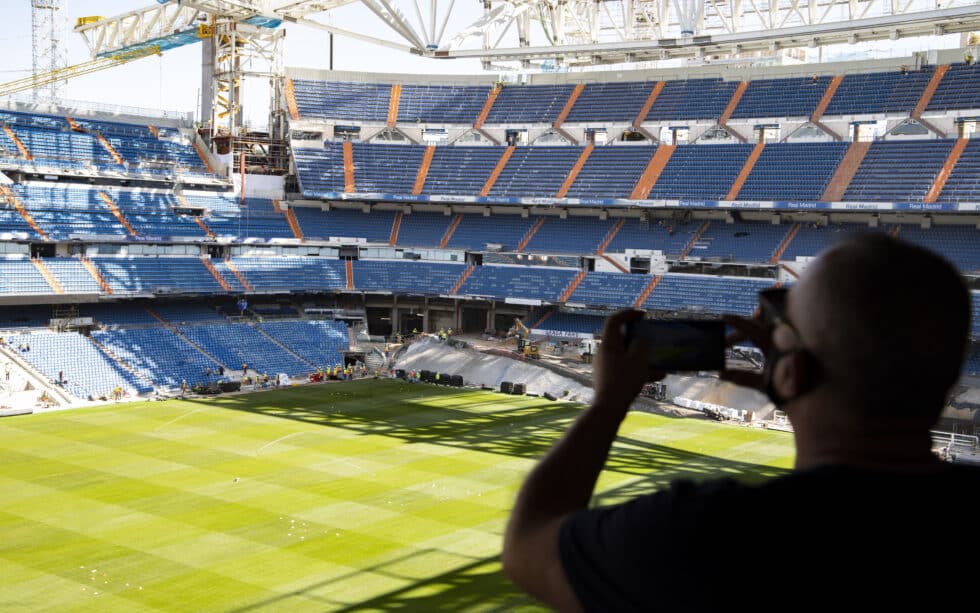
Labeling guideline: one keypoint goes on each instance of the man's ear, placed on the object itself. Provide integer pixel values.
(790, 376)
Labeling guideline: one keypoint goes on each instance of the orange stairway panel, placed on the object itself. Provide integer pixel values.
(204, 227)
(745, 172)
(92, 270)
(462, 279)
(294, 224)
(614, 263)
(573, 173)
(24, 151)
(108, 147)
(6, 195)
(694, 239)
(214, 273)
(848, 167)
(290, 93)
(610, 236)
(48, 276)
(117, 213)
(638, 303)
(449, 231)
(645, 109)
(733, 103)
(828, 95)
(544, 318)
(790, 235)
(393, 100)
(238, 275)
(423, 170)
(155, 131)
(576, 92)
(571, 288)
(487, 105)
(940, 181)
(348, 167)
(74, 124)
(509, 151)
(930, 90)
(350, 274)
(395, 226)
(204, 157)
(652, 172)
(530, 234)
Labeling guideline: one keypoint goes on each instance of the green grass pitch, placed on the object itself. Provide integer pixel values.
(366, 496)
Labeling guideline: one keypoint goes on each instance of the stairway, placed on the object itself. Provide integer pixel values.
(781, 249)
(940, 181)
(350, 274)
(733, 102)
(743, 175)
(645, 109)
(449, 231)
(108, 147)
(828, 95)
(395, 226)
(184, 338)
(24, 151)
(283, 347)
(393, 100)
(115, 358)
(117, 213)
(694, 239)
(462, 279)
(573, 173)
(610, 236)
(214, 273)
(848, 167)
(652, 172)
(11, 198)
(48, 276)
(204, 227)
(638, 303)
(294, 224)
(92, 270)
(576, 92)
(509, 151)
(290, 93)
(572, 287)
(929, 91)
(487, 105)
(349, 186)
(423, 172)
(530, 234)
(238, 275)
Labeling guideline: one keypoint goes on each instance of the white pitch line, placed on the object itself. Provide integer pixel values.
(281, 438)
(342, 461)
(178, 418)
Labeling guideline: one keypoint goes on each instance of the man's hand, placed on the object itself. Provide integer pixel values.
(620, 371)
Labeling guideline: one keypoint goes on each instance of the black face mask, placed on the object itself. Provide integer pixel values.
(812, 375)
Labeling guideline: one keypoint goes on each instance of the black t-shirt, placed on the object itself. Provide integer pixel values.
(830, 538)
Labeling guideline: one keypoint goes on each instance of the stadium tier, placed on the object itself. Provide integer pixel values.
(894, 91)
(892, 171)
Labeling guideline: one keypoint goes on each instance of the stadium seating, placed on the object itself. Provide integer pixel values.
(792, 171)
(896, 171)
(615, 101)
(386, 169)
(959, 89)
(879, 92)
(696, 294)
(963, 184)
(19, 276)
(476, 232)
(667, 236)
(406, 277)
(460, 170)
(318, 342)
(159, 355)
(685, 176)
(532, 283)
(787, 97)
(535, 171)
(72, 275)
(345, 101)
(572, 235)
(958, 243)
(529, 104)
(567, 322)
(374, 226)
(611, 172)
(320, 170)
(288, 274)
(87, 370)
(459, 104)
(163, 275)
(235, 344)
(812, 239)
(422, 229)
(692, 99)
(745, 242)
(611, 289)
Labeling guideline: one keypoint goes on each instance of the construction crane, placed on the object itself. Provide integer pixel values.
(68, 72)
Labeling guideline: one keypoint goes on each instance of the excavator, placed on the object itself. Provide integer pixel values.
(525, 346)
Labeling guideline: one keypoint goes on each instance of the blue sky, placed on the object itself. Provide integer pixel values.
(172, 81)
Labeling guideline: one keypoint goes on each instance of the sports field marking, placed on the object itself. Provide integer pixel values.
(278, 440)
(178, 418)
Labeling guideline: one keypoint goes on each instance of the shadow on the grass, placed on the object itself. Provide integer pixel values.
(527, 431)
(476, 585)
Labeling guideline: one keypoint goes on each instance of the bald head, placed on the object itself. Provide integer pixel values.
(888, 322)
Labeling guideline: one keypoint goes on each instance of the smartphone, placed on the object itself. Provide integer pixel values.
(681, 344)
